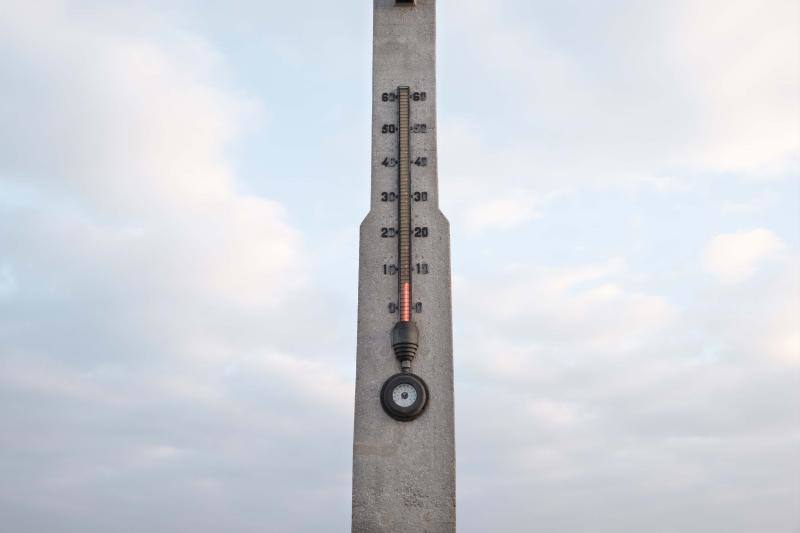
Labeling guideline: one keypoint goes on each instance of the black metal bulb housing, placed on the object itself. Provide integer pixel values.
(404, 396)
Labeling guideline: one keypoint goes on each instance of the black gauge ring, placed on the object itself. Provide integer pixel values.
(404, 413)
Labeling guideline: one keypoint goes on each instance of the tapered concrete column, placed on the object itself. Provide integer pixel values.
(404, 471)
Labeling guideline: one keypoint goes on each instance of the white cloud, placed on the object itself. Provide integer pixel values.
(506, 212)
(131, 124)
(735, 257)
(567, 278)
(137, 275)
(782, 339)
(759, 319)
(137, 133)
(315, 380)
(536, 322)
(600, 378)
(672, 102)
(744, 60)
(553, 413)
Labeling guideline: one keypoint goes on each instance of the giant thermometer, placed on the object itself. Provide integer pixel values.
(403, 457)
(405, 395)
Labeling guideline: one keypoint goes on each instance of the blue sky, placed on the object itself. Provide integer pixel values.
(181, 185)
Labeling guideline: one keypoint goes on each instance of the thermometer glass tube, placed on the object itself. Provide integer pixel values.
(404, 208)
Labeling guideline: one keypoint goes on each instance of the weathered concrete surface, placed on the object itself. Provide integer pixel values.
(404, 472)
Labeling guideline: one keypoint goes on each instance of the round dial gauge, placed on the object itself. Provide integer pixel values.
(404, 396)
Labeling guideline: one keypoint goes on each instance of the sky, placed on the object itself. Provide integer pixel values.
(181, 185)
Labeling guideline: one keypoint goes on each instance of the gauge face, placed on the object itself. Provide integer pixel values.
(404, 396)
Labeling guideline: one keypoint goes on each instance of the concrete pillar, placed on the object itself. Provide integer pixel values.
(404, 472)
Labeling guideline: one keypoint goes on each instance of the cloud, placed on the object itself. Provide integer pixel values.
(109, 94)
(782, 339)
(735, 257)
(504, 213)
(533, 327)
(757, 318)
(601, 376)
(553, 413)
(151, 304)
(663, 100)
(743, 58)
